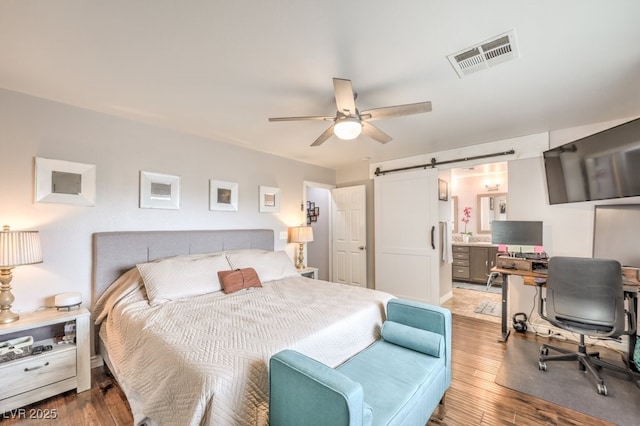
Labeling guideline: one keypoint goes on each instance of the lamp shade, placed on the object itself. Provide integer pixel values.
(19, 248)
(347, 128)
(300, 234)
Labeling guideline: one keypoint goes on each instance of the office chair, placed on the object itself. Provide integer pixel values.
(586, 296)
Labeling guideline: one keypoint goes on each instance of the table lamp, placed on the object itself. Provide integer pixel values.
(300, 235)
(16, 248)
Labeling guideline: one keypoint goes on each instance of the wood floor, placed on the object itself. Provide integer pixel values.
(473, 399)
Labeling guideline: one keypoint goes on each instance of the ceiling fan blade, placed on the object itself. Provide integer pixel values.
(396, 111)
(323, 137)
(344, 96)
(311, 117)
(374, 133)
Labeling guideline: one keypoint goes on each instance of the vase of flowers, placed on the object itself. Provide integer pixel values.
(466, 217)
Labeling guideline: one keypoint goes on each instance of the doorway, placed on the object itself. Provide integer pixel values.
(482, 191)
(341, 261)
(317, 208)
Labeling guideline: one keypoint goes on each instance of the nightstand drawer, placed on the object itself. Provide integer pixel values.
(309, 272)
(36, 371)
(460, 271)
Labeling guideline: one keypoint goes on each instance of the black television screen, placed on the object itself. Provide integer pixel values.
(597, 167)
(516, 232)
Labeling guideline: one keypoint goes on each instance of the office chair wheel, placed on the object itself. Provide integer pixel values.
(544, 350)
(542, 366)
(602, 389)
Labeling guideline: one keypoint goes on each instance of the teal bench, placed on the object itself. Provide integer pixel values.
(399, 380)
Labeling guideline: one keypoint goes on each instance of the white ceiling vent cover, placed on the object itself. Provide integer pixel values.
(487, 54)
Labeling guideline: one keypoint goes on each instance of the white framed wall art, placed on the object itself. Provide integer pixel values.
(223, 196)
(65, 182)
(159, 191)
(269, 199)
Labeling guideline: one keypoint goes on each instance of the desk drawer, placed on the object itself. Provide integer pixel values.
(460, 271)
(36, 371)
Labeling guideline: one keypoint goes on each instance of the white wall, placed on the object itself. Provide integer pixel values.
(32, 127)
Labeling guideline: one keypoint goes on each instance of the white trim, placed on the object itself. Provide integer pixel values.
(96, 361)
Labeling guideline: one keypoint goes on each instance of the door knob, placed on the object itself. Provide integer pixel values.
(362, 247)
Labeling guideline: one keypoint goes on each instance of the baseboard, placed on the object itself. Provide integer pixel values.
(446, 297)
(96, 361)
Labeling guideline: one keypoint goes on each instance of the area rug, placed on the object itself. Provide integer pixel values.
(564, 384)
(489, 307)
(478, 287)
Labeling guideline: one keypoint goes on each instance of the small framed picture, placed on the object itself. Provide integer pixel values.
(159, 191)
(269, 199)
(223, 196)
(443, 190)
(65, 182)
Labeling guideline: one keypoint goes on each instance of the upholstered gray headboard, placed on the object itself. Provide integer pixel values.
(116, 252)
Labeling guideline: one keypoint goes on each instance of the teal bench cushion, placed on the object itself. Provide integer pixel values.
(424, 341)
(394, 379)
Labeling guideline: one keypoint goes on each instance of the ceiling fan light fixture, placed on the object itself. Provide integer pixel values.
(347, 128)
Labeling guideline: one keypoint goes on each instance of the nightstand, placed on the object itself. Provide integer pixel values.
(309, 272)
(36, 377)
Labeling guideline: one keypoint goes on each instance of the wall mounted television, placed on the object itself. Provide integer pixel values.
(597, 167)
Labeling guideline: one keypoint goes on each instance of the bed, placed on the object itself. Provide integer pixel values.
(186, 355)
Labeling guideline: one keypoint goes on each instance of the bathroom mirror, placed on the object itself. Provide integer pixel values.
(491, 207)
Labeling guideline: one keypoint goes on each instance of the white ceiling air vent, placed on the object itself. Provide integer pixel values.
(483, 55)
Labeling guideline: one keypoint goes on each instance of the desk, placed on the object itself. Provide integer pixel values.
(631, 289)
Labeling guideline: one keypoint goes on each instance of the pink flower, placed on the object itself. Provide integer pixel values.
(466, 216)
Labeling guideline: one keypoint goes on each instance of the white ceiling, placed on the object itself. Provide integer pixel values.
(219, 69)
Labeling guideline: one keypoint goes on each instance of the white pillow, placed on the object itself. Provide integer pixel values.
(270, 265)
(182, 276)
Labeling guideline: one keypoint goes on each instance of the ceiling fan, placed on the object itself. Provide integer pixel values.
(348, 122)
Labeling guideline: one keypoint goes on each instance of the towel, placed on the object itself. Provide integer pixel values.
(447, 249)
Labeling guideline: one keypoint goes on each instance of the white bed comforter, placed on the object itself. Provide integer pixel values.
(204, 360)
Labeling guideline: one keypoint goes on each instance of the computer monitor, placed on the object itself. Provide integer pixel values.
(516, 232)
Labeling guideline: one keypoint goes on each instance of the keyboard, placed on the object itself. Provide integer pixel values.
(531, 256)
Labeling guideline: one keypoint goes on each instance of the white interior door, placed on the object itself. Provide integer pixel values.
(407, 237)
(349, 235)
